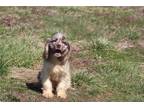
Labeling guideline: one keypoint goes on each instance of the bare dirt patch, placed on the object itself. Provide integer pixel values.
(9, 20)
(78, 59)
(141, 43)
(123, 44)
(101, 97)
(25, 74)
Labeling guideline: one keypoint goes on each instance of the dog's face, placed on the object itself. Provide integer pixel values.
(57, 47)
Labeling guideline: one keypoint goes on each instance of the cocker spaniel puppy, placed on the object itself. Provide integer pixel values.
(55, 75)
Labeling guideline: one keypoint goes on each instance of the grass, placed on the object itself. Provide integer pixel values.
(18, 52)
(103, 73)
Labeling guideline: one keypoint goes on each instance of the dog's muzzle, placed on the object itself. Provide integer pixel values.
(58, 48)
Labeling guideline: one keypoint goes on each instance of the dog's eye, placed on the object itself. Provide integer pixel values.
(54, 40)
(65, 42)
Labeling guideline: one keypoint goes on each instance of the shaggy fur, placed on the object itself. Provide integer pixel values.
(55, 75)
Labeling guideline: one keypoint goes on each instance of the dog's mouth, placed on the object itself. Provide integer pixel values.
(59, 50)
(58, 53)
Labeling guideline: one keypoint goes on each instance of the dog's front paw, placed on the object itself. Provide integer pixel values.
(61, 94)
(48, 94)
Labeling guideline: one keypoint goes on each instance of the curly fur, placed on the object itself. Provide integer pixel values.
(55, 75)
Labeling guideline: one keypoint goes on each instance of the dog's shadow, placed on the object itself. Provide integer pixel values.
(35, 86)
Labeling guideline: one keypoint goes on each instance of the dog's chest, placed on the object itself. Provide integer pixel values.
(57, 72)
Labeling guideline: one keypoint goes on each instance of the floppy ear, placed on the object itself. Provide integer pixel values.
(66, 54)
(69, 47)
(46, 50)
(68, 51)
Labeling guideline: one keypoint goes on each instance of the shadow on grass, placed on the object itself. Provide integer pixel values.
(35, 86)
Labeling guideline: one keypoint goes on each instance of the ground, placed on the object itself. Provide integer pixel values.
(107, 58)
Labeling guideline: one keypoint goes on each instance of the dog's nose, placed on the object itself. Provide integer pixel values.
(58, 45)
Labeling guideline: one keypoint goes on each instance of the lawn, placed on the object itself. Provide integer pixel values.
(107, 58)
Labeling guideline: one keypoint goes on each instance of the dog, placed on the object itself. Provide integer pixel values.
(55, 76)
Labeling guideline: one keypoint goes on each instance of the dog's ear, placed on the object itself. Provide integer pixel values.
(66, 54)
(68, 51)
(46, 50)
(68, 45)
(69, 48)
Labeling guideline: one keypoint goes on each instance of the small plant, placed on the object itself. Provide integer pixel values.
(83, 79)
(100, 43)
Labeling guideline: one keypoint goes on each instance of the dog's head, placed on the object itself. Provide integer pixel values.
(56, 47)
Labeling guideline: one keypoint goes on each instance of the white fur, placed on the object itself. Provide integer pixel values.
(57, 73)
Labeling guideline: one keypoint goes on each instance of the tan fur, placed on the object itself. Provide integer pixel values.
(55, 75)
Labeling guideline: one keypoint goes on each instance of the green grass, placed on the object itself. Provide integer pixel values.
(18, 52)
(108, 74)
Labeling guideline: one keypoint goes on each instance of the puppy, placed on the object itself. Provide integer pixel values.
(55, 75)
